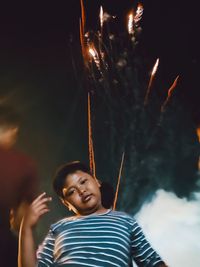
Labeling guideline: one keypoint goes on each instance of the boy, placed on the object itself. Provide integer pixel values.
(95, 236)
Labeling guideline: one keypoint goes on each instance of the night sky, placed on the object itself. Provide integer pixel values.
(37, 75)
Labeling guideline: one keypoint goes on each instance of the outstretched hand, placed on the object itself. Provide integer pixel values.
(37, 208)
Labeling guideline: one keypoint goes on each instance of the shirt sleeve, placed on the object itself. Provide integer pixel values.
(142, 252)
(45, 252)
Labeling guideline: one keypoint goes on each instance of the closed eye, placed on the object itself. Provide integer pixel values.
(70, 192)
(83, 181)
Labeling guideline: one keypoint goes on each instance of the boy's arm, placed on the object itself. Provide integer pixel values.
(142, 251)
(27, 253)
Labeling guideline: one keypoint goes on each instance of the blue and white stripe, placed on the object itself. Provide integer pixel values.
(98, 240)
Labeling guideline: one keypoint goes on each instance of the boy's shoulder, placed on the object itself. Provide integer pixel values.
(123, 215)
(62, 222)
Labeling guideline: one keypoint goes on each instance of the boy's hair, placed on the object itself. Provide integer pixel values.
(63, 171)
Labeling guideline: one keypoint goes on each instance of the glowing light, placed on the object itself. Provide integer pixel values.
(82, 32)
(130, 23)
(139, 12)
(171, 89)
(82, 16)
(118, 182)
(101, 17)
(82, 39)
(198, 133)
(155, 67)
(134, 18)
(90, 141)
(93, 53)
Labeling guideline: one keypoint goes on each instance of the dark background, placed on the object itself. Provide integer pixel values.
(38, 77)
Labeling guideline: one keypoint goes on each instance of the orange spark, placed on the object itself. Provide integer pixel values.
(82, 16)
(198, 133)
(82, 40)
(171, 89)
(90, 141)
(93, 53)
(118, 182)
(155, 67)
(82, 31)
(139, 12)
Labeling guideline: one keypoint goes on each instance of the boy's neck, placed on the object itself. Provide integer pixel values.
(99, 211)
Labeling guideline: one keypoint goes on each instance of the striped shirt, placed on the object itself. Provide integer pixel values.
(98, 240)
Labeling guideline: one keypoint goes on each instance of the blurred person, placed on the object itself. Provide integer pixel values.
(18, 185)
(96, 236)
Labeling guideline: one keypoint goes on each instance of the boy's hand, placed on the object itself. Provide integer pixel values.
(37, 208)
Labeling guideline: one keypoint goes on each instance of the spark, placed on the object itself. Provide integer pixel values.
(130, 23)
(118, 182)
(93, 53)
(82, 40)
(82, 16)
(151, 81)
(82, 31)
(171, 89)
(155, 67)
(101, 17)
(134, 18)
(198, 133)
(139, 12)
(90, 141)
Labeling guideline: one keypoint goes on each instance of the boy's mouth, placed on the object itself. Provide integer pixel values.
(86, 198)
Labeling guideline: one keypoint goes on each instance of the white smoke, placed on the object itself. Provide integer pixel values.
(172, 226)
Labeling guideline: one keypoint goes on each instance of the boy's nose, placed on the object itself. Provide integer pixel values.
(81, 191)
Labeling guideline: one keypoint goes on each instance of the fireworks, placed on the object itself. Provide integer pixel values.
(123, 119)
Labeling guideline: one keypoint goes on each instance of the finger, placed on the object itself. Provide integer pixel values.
(41, 207)
(41, 204)
(42, 212)
(39, 197)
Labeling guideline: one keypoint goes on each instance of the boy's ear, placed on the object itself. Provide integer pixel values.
(65, 203)
(98, 182)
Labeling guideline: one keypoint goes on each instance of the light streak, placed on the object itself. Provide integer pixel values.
(101, 17)
(118, 182)
(139, 12)
(171, 89)
(82, 31)
(130, 23)
(151, 81)
(90, 141)
(93, 53)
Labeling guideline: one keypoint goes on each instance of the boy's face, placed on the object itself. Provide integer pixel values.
(82, 193)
